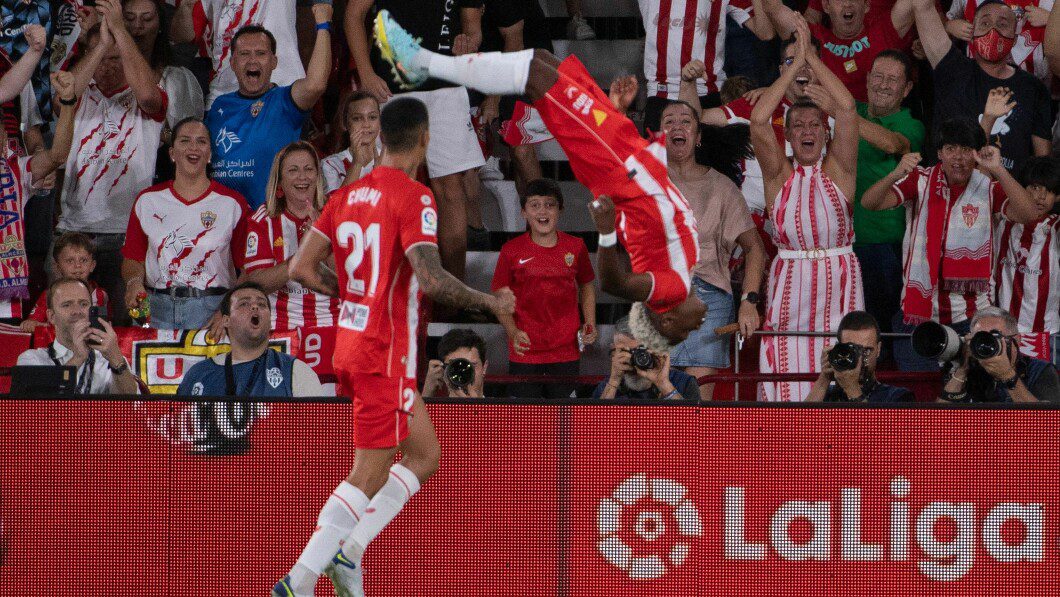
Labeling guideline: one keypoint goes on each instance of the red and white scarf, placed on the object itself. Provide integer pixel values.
(950, 252)
(14, 269)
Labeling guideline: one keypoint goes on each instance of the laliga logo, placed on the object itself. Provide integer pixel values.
(637, 524)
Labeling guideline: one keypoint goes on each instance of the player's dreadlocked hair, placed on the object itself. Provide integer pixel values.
(644, 330)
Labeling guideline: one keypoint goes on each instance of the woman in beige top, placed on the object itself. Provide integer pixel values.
(724, 223)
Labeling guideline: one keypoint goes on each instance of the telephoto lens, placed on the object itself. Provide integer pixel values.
(460, 373)
(985, 345)
(642, 358)
(845, 356)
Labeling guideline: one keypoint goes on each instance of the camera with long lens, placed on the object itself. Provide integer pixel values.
(933, 340)
(642, 359)
(987, 344)
(459, 373)
(845, 356)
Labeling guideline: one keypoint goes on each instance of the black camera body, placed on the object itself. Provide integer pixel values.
(845, 356)
(459, 373)
(987, 344)
(642, 359)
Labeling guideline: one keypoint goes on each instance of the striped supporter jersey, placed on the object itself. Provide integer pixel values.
(271, 240)
(1026, 282)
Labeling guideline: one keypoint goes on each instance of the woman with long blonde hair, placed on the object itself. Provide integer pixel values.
(294, 198)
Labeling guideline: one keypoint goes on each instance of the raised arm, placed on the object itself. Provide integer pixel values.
(768, 152)
(358, 39)
(1020, 207)
(691, 72)
(142, 79)
(86, 68)
(15, 79)
(783, 18)
(881, 196)
(1052, 41)
(182, 27)
(902, 16)
(760, 24)
(305, 92)
(46, 161)
(616, 275)
(442, 287)
(932, 33)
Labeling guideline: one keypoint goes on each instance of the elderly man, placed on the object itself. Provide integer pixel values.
(94, 351)
(1005, 377)
(630, 382)
(250, 126)
(250, 368)
(963, 84)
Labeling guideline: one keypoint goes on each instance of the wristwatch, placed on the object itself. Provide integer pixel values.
(751, 297)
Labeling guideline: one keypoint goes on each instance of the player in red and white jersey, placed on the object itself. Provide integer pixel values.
(382, 231)
(1026, 281)
(362, 128)
(212, 23)
(294, 198)
(677, 31)
(625, 172)
(17, 174)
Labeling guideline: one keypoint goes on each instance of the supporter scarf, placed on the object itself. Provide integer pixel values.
(13, 265)
(952, 254)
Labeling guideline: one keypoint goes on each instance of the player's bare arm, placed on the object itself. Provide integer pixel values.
(444, 288)
(308, 268)
(616, 274)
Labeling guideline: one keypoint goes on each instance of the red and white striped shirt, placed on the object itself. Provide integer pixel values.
(1025, 277)
(678, 31)
(15, 189)
(271, 240)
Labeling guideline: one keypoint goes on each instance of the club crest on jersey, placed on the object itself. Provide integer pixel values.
(971, 214)
(196, 390)
(429, 221)
(274, 377)
(252, 244)
(255, 109)
(208, 218)
(569, 259)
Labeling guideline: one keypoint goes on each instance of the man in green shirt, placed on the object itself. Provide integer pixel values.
(887, 131)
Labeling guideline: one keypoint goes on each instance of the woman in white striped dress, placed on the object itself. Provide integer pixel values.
(816, 278)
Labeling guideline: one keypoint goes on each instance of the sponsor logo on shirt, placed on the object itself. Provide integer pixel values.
(848, 51)
(429, 221)
(522, 261)
(353, 316)
(196, 390)
(226, 139)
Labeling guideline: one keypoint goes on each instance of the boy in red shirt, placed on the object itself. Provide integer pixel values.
(550, 273)
(74, 255)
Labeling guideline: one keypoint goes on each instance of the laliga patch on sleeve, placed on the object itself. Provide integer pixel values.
(429, 221)
(252, 244)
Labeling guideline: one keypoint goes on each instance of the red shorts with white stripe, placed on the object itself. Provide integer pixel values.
(608, 155)
(381, 408)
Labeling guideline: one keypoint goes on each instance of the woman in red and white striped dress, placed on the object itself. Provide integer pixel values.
(815, 278)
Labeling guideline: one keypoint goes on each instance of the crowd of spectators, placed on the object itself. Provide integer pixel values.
(898, 158)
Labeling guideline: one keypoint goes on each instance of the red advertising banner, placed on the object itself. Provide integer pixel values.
(549, 500)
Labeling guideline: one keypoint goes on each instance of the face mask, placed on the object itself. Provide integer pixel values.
(992, 46)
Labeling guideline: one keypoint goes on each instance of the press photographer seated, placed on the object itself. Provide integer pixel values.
(87, 343)
(848, 369)
(640, 372)
(460, 367)
(990, 367)
(250, 368)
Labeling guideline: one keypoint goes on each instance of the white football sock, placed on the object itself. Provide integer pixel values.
(492, 73)
(338, 517)
(386, 504)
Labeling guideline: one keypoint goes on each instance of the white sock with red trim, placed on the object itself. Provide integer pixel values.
(386, 504)
(337, 518)
(492, 73)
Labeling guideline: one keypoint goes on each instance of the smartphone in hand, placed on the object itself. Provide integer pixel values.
(93, 322)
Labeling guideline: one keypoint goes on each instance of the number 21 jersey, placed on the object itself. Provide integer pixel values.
(371, 225)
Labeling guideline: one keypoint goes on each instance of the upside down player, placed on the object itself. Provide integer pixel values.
(383, 232)
(607, 155)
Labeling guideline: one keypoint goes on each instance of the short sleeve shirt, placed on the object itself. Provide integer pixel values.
(721, 217)
(887, 226)
(851, 59)
(247, 133)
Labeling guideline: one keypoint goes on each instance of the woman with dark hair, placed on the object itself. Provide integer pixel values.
(815, 278)
(361, 119)
(294, 197)
(145, 20)
(178, 245)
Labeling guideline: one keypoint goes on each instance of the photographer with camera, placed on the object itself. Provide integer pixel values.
(460, 367)
(848, 369)
(990, 367)
(640, 373)
(82, 341)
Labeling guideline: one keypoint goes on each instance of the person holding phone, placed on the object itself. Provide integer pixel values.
(82, 341)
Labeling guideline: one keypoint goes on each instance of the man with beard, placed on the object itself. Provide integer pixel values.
(859, 383)
(251, 368)
(630, 383)
(963, 84)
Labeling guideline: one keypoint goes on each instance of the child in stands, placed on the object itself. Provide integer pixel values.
(552, 271)
(74, 255)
